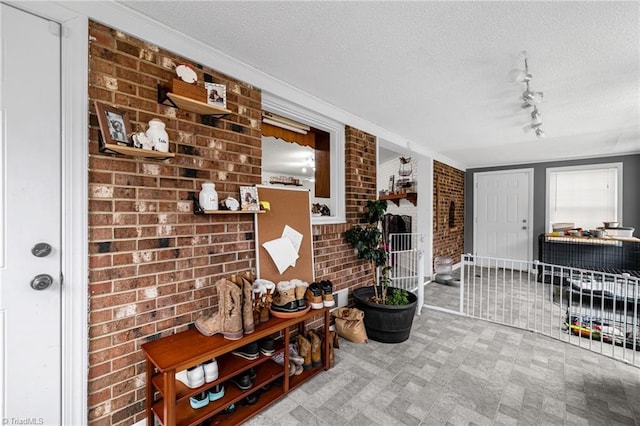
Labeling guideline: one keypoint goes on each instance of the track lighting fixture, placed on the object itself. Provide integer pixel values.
(530, 98)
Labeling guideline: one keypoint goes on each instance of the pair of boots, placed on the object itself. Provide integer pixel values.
(310, 348)
(235, 313)
(290, 296)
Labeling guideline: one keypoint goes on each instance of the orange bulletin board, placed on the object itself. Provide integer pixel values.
(288, 207)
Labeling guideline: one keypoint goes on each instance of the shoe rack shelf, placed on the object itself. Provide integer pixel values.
(167, 399)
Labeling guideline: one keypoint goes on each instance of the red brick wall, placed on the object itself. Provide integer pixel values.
(448, 187)
(152, 262)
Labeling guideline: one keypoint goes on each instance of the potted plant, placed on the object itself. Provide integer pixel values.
(388, 311)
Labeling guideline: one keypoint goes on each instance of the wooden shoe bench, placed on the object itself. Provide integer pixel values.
(168, 399)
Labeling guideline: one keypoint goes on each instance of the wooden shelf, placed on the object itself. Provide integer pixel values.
(412, 197)
(230, 212)
(167, 400)
(275, 182)
(199, 210)
(178, 101)
(135, 152)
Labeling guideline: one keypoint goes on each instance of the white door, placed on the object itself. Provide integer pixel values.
(30, 219)
(502, 214)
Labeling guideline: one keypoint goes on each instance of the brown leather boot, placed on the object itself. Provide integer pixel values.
(316, 348)
(267, 299)
(304, 350)
(333, 338)
(214, 324)
(233, 321)
(247, 306)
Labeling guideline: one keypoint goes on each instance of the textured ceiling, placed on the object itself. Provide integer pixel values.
(436, 73)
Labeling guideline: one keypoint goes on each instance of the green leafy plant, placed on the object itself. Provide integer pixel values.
(367, 239)
(398, 297)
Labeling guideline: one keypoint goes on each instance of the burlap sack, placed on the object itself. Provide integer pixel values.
(350, 324)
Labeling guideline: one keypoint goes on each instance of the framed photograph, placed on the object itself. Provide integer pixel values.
(114, 124)
(249, 198)
(392, 183)
(216, 94)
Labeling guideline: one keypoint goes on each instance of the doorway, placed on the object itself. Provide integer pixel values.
(31, 247)
(502, 214)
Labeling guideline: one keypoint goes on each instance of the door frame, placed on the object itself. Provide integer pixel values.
(529, 171)
(75, 159)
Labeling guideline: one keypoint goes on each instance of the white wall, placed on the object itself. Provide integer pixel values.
(388, 169)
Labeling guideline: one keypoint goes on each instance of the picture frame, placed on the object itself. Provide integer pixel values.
(249, 198)
(392, 183)
(216, 94)
(114, 124)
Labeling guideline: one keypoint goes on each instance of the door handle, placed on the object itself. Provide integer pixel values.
(41, 282)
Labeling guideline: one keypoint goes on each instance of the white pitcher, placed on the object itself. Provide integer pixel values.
(158, 135)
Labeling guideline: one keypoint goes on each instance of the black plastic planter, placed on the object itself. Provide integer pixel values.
(385, 323)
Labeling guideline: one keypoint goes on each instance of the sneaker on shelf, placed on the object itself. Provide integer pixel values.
(195, 376)
(242, 381)
(216, 392)
(293, 354)
(250, 351)
(252, 373)
(199, 400)
(249, 399)
(230, 409)
(210, 370)
(327, 293)
(278, 358)
(267, 346)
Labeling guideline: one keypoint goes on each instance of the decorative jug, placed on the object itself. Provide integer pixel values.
(208, 196)
(158, 135)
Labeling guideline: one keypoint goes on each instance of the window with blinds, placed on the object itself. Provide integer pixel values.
(584, 195)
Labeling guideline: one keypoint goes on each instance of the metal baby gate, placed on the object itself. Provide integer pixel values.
(596, 310)
(406, 259)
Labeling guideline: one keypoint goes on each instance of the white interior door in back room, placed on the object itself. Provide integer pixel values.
(502, 211)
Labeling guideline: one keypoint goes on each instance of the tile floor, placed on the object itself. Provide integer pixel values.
(455, 370)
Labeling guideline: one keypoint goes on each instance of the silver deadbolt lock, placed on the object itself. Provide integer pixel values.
(41, 282)
(41, 250)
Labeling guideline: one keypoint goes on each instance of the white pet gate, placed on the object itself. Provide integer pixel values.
(596, 310)
(406, 258)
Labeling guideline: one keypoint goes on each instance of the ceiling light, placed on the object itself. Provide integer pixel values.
(535, 117)
(530, 97)
(284, 123)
